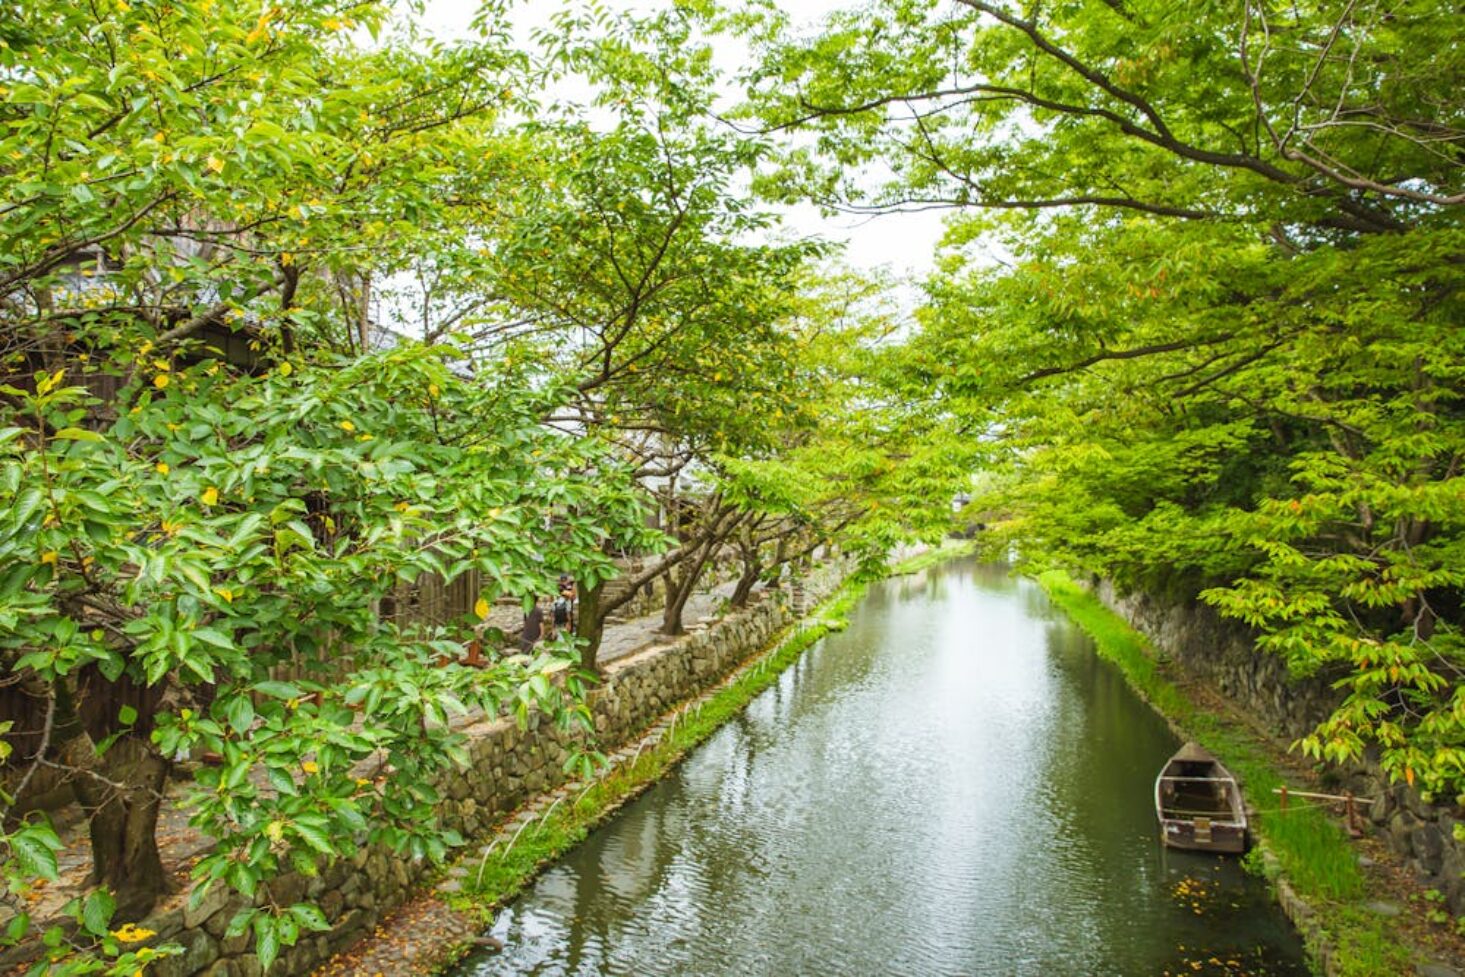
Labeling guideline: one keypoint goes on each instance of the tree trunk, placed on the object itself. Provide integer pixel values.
(590, 625)
(123, 824)
(121, 791)
(775, 569)
(679, 587)
(677, 592)
(752, 570)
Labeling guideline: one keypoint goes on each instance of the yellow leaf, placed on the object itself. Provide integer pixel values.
(260, 28)
(162, 468)
(432, 390)
(481, 609)
(50, 557)
(286, 369)
(161, 380)
(310, 766)
(48, 383)
(216, 164)
(225, 593)
(210, 496)
(347, 426)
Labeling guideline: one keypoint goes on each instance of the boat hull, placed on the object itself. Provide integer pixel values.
(1199, 804)
(1225, 839)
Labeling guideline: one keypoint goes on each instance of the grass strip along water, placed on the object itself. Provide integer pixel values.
(1309, 850)
(495, 879)
(953, 549)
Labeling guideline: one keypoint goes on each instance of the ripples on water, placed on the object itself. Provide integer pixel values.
(954, 785)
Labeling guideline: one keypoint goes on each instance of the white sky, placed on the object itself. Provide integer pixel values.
(903, 243)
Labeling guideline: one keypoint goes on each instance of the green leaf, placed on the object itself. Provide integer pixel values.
(240, 712)
(76, 434)
(239, 923)
(310, 917)
(35, 847)
(314, 837)
(267, 941)
(278, 690)
(213, 637)
(97, 912)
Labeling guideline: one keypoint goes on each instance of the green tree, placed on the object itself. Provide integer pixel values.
(211, 468)
(1225, 357)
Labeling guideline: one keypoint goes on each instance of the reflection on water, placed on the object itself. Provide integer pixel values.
(954, 785)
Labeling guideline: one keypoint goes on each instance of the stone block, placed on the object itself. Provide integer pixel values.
(235, 946)
(331, 903)
(1428, 846)
(350, 888)
(212, 901)
(1381, 808)
(168, 924)
(376, 867)
(351, 922)
(288, 889)
(219, 922)
(399, 874)
(199, 950)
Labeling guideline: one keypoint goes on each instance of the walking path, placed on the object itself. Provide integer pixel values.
(637, 633)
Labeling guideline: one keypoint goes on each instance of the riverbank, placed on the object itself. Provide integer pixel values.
(951, 550)
(1354, 908)
(439, 926)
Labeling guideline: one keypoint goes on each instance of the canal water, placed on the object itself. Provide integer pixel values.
(954, 785)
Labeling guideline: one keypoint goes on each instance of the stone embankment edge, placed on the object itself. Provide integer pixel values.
(633, 769)
(1163, 697)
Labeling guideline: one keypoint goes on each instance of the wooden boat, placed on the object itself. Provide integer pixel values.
(1199, 803)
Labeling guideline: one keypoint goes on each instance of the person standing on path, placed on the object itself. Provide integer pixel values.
(533, 627)
(564, 604)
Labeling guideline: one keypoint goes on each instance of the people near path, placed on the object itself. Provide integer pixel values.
(564, 602)
(533, 627)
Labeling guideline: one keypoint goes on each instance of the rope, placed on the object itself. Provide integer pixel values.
(1295, 806)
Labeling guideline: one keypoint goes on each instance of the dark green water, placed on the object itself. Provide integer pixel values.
(955, 785)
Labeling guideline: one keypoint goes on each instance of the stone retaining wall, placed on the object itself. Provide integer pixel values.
(508, 766)
(1223, 654)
